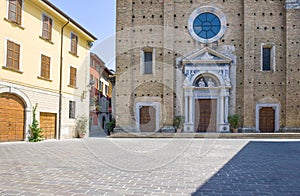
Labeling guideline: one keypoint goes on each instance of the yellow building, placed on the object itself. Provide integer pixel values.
(44, 57)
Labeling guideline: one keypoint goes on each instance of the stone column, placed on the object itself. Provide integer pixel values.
(221, 109)
(186, 109)
(190, 109)
(226, 109)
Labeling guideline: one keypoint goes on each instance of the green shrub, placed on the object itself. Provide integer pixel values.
(234, 120)
(81, 125)
(178, 121)
(35, 132)
(111, 125)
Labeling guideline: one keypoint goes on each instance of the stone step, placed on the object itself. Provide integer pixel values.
(209, 135)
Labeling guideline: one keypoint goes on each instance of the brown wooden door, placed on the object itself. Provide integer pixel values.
(48, 125)
(147, 119)
(11, 118)
(206, 115)
(267, 120)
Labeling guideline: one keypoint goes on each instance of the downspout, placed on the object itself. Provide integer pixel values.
(60, 78)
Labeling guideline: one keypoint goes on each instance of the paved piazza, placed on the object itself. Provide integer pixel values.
(105, 166)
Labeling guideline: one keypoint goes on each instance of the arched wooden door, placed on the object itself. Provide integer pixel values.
(12, 118)
(267, 120)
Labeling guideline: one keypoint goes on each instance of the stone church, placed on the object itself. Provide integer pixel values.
(204, 60)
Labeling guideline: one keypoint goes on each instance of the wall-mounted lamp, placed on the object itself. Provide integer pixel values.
(90, 44)
(91, 84)
(83, 95)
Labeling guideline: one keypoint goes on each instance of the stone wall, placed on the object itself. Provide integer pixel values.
(163, 25)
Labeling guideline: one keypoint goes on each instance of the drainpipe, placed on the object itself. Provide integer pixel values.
(60, 78)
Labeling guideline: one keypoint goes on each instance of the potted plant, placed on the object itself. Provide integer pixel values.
(178, 123)
(234, 121)
(81, 126)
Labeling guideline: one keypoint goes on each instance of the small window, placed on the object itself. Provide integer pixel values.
(268, 57)
(73, 73)
(97, 83)
(106, 90)
(45, 67)
(15, 11)
(13, 55)
(101, 86)
(72, 107)
(74, 43)
(147, 62)
(47, 28)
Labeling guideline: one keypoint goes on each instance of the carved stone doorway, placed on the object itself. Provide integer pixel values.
(267, 120)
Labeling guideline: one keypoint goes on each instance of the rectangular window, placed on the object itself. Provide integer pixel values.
(73, 72)
(15, 11)
(47, 27)
(147, 62)
(45, 67)
(266, 59)
(13, 55)
(106, 90)
(97, 83)
(74, 43)
(72, 106)
(101, 86)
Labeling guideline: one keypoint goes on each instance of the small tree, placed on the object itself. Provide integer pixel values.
(35, 132)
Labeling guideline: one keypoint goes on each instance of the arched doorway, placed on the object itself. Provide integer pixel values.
(12, 118)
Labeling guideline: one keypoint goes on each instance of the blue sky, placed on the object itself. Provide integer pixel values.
(98, 17)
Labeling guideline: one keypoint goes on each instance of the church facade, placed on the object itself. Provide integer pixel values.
(205, 60)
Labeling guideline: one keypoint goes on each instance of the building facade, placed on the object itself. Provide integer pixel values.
(45, 61)
(206, 60)
(100, 95)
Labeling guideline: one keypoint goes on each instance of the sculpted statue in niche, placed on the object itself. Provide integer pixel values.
(201, 83)
(210, 83)
(206, 82)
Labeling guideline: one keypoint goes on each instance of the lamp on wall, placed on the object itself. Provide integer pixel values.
(90, 44)
(83, 95)
(90, 85)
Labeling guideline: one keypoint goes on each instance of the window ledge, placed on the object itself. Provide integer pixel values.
(46, 79)
(71, 86)
(46, 40)
(11, 69)
(267, 71)
(73, 54)
(14, 23)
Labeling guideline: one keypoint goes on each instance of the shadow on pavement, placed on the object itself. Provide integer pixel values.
(260, 168)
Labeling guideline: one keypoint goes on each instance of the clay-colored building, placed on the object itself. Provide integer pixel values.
(206, 60)
(101, 95)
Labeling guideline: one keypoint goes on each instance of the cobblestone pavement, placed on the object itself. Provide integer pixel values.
(103, 166)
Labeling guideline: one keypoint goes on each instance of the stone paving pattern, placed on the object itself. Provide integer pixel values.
(103, 166)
